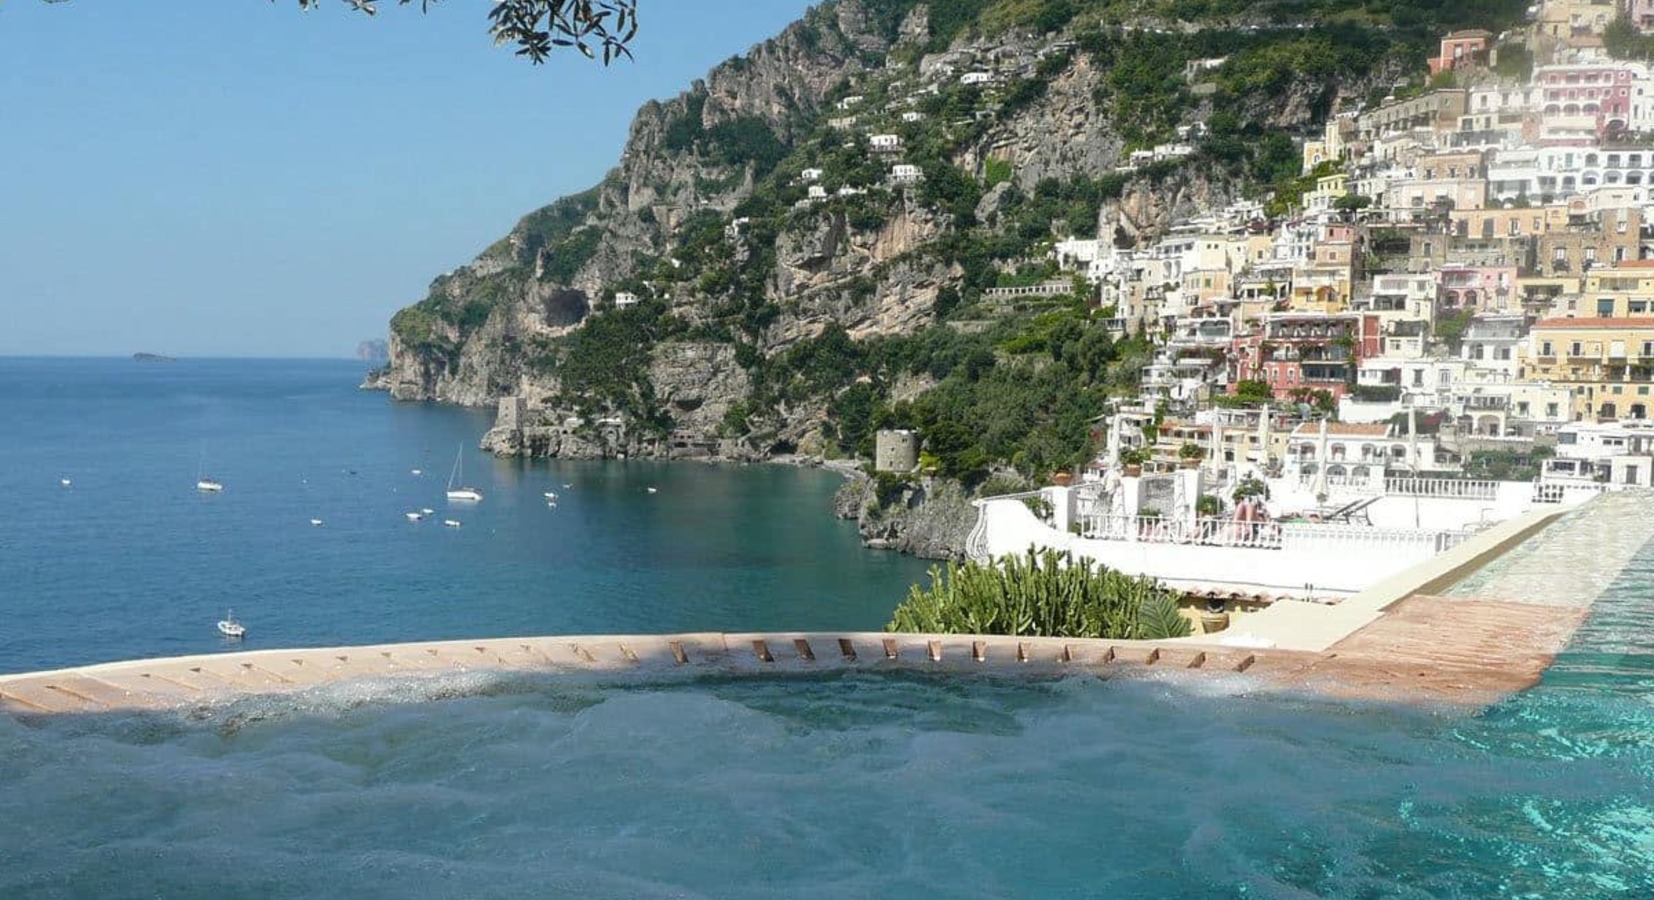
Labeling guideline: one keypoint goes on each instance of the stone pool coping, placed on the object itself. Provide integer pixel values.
(1395, 642)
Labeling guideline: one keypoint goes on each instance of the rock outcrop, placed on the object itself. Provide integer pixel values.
(929, 518)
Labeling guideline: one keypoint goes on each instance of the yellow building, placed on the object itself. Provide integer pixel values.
(1330, 148)
(1624, 291)
(1508, 223)
(1608, 363)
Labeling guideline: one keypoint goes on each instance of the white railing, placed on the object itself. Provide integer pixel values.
(1346, 483)
(1207, 532)
(1565, 493)
(1312, 537)
(1300, 537)
(1448, 488)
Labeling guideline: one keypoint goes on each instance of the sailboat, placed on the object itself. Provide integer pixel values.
(470, 494)
(202, 482)
(230, 628)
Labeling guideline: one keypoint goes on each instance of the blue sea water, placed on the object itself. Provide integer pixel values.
(131, 561)
(852, 785)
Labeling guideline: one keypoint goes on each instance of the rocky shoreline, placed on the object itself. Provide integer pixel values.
(927, 516)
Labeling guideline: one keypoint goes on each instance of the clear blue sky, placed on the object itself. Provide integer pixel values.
(239, 178)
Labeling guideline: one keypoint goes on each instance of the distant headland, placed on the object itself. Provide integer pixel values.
(377, 351)
(152, 357)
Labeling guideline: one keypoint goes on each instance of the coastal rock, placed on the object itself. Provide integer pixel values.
(928, 518)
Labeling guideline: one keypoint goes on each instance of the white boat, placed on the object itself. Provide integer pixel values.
(316, 523)
(414, 516)
(551, 495)
(202, 482)
(230, 628)
(417, 472)
(652, 490)
(65, 482)
(451, 523)
(427, 510)
(467, 494)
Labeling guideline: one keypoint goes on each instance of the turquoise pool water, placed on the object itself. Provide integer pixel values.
(855, 785)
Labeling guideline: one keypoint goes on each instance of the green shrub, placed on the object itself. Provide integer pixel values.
(1046, 594)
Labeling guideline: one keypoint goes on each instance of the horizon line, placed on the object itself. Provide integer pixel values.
(184, 357)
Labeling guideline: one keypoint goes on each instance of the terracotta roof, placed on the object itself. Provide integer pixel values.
(1628, 264)
(1344, 429)
(1599, 322)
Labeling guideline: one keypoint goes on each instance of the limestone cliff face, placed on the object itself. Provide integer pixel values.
(558, 263)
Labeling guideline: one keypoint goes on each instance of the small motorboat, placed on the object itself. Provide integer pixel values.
(451, 523)
(551, 495)
(414, 516)
(653, 490)
(209, 486)
(65, 482)
(316, 523)
(416, 472)
(230, 628)
(427, 510)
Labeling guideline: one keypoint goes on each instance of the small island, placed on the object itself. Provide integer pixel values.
(152, 358)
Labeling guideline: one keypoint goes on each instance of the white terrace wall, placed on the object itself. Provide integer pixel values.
(1334, 567)
(1443, 511)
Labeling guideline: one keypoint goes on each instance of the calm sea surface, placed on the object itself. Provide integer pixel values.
(131, 561)
(855, 785)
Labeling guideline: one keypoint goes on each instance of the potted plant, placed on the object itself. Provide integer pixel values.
(1133, 460)
(1191, 454)
(1208, 505)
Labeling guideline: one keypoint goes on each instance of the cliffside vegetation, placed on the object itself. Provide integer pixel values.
(855, 300)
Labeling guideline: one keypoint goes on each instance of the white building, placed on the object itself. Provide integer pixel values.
(1490, 346)
(624, 299)
(905, 173)
(885, 143)
(810, 176)
(976, 78)
(1614, 452)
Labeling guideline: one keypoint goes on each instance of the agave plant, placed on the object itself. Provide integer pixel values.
(1040, 594)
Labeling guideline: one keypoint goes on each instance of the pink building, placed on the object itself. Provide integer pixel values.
(1641, 14)
(1595, 93)
(1482, 287)
(1462, 49)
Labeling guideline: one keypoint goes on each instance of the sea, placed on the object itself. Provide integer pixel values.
(853, 784)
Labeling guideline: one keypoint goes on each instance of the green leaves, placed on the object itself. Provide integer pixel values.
(1043, 594)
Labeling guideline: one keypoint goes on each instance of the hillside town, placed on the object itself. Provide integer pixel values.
(1451, 328)
(1467, 289)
